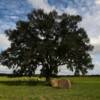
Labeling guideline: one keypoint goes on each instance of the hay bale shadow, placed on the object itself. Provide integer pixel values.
(27, 83)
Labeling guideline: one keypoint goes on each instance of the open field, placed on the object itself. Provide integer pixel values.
(83, 88)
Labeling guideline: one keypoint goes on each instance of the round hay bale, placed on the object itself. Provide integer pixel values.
(62, 83)
(54, 83)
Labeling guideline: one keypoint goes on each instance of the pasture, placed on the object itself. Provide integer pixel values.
(34, 88)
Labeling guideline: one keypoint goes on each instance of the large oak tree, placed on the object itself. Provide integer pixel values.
(49, 40)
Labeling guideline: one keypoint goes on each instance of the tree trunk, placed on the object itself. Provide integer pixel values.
(48, 79)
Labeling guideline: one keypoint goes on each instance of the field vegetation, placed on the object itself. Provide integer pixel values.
(34, 88)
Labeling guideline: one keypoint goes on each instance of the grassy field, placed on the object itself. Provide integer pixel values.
(83, 88)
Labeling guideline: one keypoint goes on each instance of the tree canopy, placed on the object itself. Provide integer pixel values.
(49, 40)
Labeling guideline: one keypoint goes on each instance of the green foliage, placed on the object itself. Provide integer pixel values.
(49, 40)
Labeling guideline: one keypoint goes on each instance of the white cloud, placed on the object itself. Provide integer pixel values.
(62, 70)
(97, 1)
(91, 23)
(70, 10)
(42, 4)
(4, 69)
(95, 41)
(96, 69)
(4, 43)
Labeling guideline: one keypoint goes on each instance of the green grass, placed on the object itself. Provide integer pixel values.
(83, 88)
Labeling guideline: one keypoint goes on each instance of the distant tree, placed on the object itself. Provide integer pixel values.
(49, 40)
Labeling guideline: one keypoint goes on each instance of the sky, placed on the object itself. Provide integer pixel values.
(13, 10)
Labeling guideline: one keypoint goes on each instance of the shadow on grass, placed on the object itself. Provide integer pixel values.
(26, 83)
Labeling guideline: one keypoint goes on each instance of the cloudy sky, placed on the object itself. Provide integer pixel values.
(13, 10)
